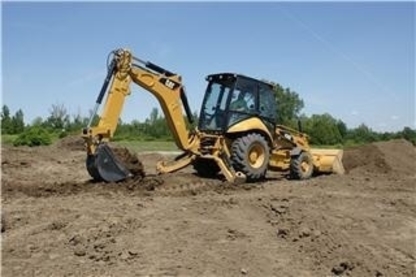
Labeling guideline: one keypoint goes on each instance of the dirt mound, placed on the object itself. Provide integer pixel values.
(366, 158)
(71, 143)
(381, 158)
(400, 155)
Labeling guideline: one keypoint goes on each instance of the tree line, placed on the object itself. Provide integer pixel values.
(323, 129)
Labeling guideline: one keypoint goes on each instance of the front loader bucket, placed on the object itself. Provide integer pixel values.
(104, 166)
(328, 160)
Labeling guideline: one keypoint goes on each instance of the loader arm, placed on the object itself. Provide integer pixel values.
(123, 71)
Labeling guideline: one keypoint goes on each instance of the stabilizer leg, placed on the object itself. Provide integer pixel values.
(180, 162)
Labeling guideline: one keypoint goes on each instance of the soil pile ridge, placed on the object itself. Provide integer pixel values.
(71, 143)
(381, 158)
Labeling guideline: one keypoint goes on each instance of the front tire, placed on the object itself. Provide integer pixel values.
(250, 155)
(301, 166)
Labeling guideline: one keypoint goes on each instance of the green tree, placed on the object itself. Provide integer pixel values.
(38, 121)
(362, 134)
(342, 129)
(59, 118)
(156, 125)
(14, 124)
(323, 129)
(384, 136)
(409, 135)
(6, 126)
(289, 104)
(17, 122)
(77, 123)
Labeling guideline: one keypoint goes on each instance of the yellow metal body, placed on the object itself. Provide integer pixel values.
(167, 89)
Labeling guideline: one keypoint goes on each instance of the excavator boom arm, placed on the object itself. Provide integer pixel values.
(163, 84)
(102, 163)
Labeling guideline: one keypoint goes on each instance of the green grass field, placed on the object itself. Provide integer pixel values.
(144, 146)
(138, 146)
(8, 139)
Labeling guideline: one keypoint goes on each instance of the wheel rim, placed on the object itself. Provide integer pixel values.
(305, 166)
(256, 156)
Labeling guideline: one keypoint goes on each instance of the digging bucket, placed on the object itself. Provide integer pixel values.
(104, 166)
(328, 160)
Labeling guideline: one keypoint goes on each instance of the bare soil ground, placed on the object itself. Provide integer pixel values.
(56, 222)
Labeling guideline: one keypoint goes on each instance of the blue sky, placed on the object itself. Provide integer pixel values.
(354, 60)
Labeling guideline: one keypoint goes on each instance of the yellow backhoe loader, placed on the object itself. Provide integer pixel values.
(237, 135)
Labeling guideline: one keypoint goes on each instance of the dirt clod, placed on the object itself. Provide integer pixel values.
(304, 232)
(3, 222)
(79, 252)
(342, 267)
(282, 232)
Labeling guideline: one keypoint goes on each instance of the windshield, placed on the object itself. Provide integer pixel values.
(214, 107)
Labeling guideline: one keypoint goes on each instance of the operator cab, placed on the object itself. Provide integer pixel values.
(231, 98)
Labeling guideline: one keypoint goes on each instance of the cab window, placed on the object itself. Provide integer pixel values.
(267, 102)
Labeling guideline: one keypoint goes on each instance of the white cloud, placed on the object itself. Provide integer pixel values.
(395, 117)
(354, 112)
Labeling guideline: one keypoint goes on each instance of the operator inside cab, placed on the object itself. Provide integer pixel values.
(240, 104)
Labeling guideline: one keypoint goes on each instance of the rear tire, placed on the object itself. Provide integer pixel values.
(250, 154)
(301, 166)
(206, 168)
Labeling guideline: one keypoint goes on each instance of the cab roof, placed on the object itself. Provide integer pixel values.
(231, 75)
